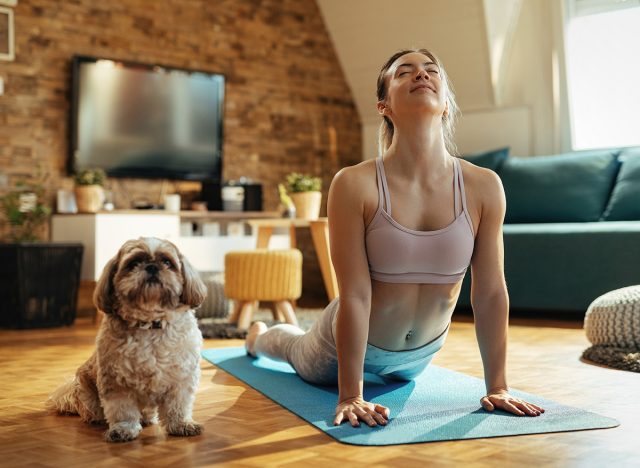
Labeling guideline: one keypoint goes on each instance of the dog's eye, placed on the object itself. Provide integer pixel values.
(133, 264)
(167, 263)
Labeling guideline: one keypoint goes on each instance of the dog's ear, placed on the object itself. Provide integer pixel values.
(104, 294)
(194, 290)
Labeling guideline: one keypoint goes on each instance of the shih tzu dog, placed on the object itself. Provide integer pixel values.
(147, 357)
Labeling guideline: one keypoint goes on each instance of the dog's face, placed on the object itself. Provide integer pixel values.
(147, 277)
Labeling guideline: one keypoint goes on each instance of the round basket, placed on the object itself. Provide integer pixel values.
(613, 319)
(216, 304)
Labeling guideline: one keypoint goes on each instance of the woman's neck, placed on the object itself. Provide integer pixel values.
(418, 150)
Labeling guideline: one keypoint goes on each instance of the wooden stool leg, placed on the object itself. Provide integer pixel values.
(235, 313)
(246, 313)
(277, 315)
(286, 309)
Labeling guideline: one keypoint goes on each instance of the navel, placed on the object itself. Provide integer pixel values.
(408, 337)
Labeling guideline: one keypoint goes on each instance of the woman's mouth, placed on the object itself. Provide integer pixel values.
(422, 88)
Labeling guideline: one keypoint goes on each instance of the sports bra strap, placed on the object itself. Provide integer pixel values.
(379, 179)
(382, 187)
(455, 187)
(462, 195)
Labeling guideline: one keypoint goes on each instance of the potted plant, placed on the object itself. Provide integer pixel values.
(26, 212)
(305, 193)
(88, 190)
(38, 280)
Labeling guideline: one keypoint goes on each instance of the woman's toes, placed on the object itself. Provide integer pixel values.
(257, 329)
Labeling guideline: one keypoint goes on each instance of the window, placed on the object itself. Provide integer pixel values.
(603, 72)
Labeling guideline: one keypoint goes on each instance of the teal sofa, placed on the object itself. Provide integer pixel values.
(572, 227)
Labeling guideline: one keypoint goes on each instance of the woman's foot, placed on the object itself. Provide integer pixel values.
(258, 328)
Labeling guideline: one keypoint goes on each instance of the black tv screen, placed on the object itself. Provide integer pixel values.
(148, 121)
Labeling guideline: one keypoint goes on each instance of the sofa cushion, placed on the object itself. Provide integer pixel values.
(624, 204)
(570, 187)
(490, 159)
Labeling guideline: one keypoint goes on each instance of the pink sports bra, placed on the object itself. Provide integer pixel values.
(401, 255)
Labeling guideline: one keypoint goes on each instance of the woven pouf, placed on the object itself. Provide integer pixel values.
(612, 325)
(216, 304)
(263, 275)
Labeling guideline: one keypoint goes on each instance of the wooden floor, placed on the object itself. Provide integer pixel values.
(243, 428)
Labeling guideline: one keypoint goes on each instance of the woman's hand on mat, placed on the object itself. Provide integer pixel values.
(502, 400)
(356, 409)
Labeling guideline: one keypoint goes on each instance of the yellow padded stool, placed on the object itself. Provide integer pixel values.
(263, 275)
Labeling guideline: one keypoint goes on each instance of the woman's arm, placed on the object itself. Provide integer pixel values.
(348, 254)
(490, 300)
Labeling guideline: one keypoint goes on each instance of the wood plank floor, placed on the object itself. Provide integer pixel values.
(243, 428)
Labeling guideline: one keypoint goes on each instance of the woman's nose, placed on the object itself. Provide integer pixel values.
(422, 73)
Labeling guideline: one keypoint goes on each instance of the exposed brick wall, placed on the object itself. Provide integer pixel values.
(288, 107)
(286, 95)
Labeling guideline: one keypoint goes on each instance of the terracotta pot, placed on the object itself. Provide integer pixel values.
(89, 198)
(307, 204)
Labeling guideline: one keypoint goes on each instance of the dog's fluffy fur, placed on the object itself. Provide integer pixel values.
(147, 357)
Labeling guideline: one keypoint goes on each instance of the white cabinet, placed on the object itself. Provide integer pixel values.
(102, 234)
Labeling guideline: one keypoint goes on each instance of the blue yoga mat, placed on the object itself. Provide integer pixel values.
(439, 405)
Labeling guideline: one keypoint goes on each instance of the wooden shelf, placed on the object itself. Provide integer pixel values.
(188, 214)
(227, 215)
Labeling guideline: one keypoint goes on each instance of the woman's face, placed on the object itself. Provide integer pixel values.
(414, 84)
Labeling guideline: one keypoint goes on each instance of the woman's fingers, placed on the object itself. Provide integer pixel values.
(365, 416)
(371, 414)
(380, 419)
(533, 409)
(486, 404)
(536, 407)
(383, 410)
(511, 408)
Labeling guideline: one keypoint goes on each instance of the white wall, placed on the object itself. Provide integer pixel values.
(504, 58)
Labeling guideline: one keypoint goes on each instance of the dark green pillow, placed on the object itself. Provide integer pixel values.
(624, 204)
(490, 159)
(569, 187)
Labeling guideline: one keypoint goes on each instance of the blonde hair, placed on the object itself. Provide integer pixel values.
(449, 118)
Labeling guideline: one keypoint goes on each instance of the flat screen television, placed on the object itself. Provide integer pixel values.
(147, 121)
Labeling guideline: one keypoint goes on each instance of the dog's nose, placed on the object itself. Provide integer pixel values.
(151, 269)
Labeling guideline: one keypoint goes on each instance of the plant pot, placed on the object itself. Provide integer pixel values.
(39, 284)
(89, 198)
(307, 204)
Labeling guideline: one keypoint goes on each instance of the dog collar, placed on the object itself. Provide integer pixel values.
(155, 325)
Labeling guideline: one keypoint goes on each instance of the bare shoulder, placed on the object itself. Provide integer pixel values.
(481, 184)
(485, 195)
(357, 181)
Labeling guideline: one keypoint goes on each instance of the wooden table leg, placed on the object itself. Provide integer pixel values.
(293, 243)
(320, 236)
(264, 234)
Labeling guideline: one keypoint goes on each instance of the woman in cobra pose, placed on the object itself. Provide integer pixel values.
(403, 230)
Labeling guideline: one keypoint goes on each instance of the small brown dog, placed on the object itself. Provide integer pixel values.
(147, 357)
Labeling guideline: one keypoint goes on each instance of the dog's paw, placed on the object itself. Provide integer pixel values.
(185, 429)
(149, 422)
(149, 417)
(123, 432)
